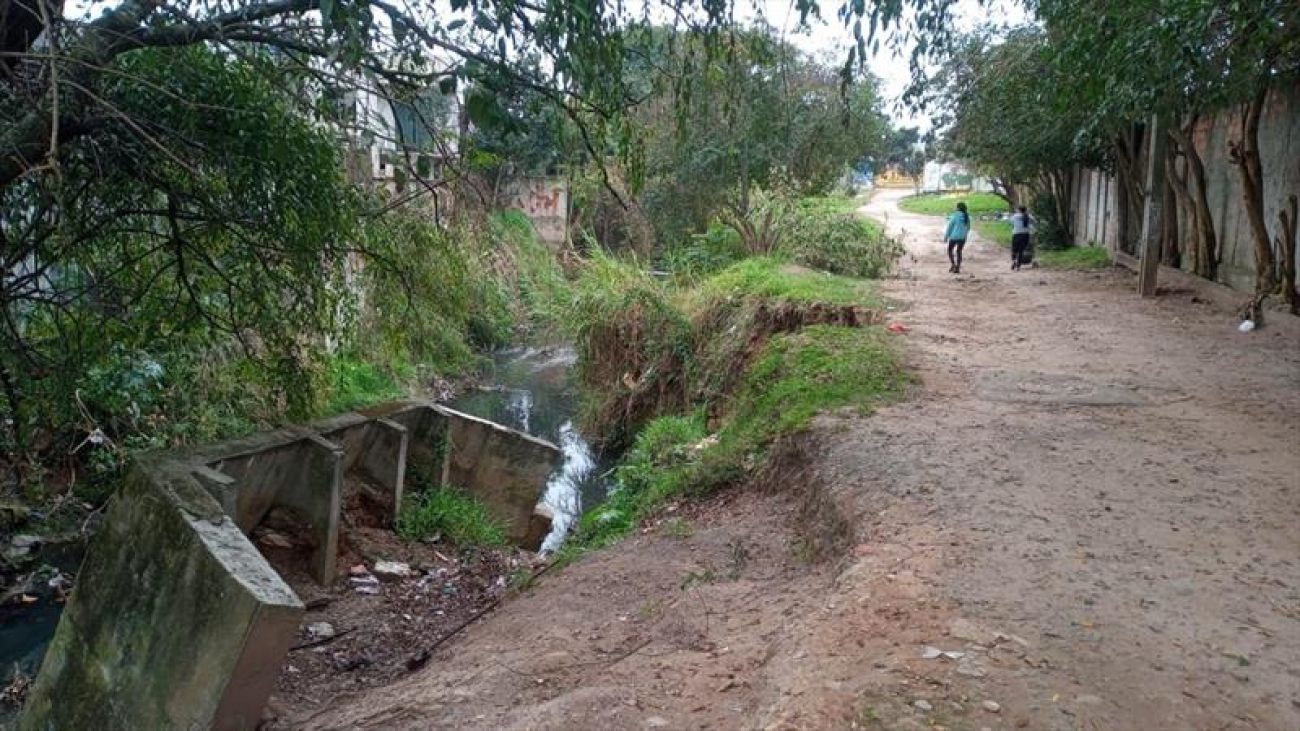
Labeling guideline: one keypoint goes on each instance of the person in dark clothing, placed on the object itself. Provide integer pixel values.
(955, 235)
(1021, 227)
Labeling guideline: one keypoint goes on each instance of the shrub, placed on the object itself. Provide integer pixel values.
(841, 244)
(454, 515)
(706, 253)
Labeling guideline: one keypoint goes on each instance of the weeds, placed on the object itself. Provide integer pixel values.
(451, 514)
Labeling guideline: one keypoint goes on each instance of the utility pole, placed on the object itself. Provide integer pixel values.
(1153, 212)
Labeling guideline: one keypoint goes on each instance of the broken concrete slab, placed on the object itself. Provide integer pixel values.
(177, 620)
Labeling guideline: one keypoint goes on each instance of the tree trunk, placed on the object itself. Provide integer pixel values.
(1183, 216)
(1286, 247)
(1207, 245)
(1245, 155)
(1170, 245)
(1132, 198)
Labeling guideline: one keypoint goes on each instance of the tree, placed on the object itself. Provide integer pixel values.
(1180, 59)
(1007, 120)
(758, 113)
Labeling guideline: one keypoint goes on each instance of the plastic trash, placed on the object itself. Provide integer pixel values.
(1246, 326)
(897, 327)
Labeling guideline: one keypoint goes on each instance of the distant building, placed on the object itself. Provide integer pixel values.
(940, 176)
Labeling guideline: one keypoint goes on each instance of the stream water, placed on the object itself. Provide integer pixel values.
(534, 392)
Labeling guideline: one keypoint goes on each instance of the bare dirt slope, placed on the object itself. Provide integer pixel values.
(1091, 504)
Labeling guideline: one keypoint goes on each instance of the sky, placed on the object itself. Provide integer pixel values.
(825, 38)
(890, 65)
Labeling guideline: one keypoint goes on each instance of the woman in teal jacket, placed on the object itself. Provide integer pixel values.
(955, 235)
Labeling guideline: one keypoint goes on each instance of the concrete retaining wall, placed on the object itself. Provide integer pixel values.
(1096, 200)
(178, 622)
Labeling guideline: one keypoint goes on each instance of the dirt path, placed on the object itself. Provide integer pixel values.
(1091, 503)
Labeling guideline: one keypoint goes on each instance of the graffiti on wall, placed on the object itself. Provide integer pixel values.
(546, 203)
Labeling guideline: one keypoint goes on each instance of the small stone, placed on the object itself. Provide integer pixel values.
(370, 590)
(1088, 700)
(930, 653)
(991, 706)
(923, 706)
(25, 541)
(971, 670)
(321, 630)
(392, 570)
(359, 570)
(656, 722)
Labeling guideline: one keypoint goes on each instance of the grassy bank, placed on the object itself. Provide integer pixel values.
(942, 204)
(700, 381)
(1072, 258)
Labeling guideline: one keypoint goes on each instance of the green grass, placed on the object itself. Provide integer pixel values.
(942, 204)
(999, 232)
(452, 514)
(354, 383)
(1074, 258)
(771, 278)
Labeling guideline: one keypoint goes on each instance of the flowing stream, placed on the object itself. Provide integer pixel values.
(534, 392)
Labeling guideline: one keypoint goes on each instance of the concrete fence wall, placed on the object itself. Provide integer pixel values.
(1096, 199)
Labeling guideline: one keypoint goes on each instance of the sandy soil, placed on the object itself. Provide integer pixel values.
(1090, 504)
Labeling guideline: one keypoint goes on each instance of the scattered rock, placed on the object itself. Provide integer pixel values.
(392, 570)
(25, 541)
(964, 629)
(991, 706)
(932, 653)
(359, 570)
(656, 722)
(923, 706)
(971, 670)
(320, 630)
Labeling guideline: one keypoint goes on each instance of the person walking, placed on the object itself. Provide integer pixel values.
(955, 235)
(1021, 226)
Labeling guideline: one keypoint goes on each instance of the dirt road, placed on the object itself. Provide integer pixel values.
(1091, 505)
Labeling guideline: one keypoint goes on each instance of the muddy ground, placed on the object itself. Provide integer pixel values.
(1085, 517)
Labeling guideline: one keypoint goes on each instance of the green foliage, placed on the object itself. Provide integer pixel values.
(796, 377)
(657, 468)
(355, 383)
(1125, 61)
(758, 113)
(706, 253)
(1049, 230)
(173, 288)
(451, 514)
(943, 204)
(771, 279)
(841, 243)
